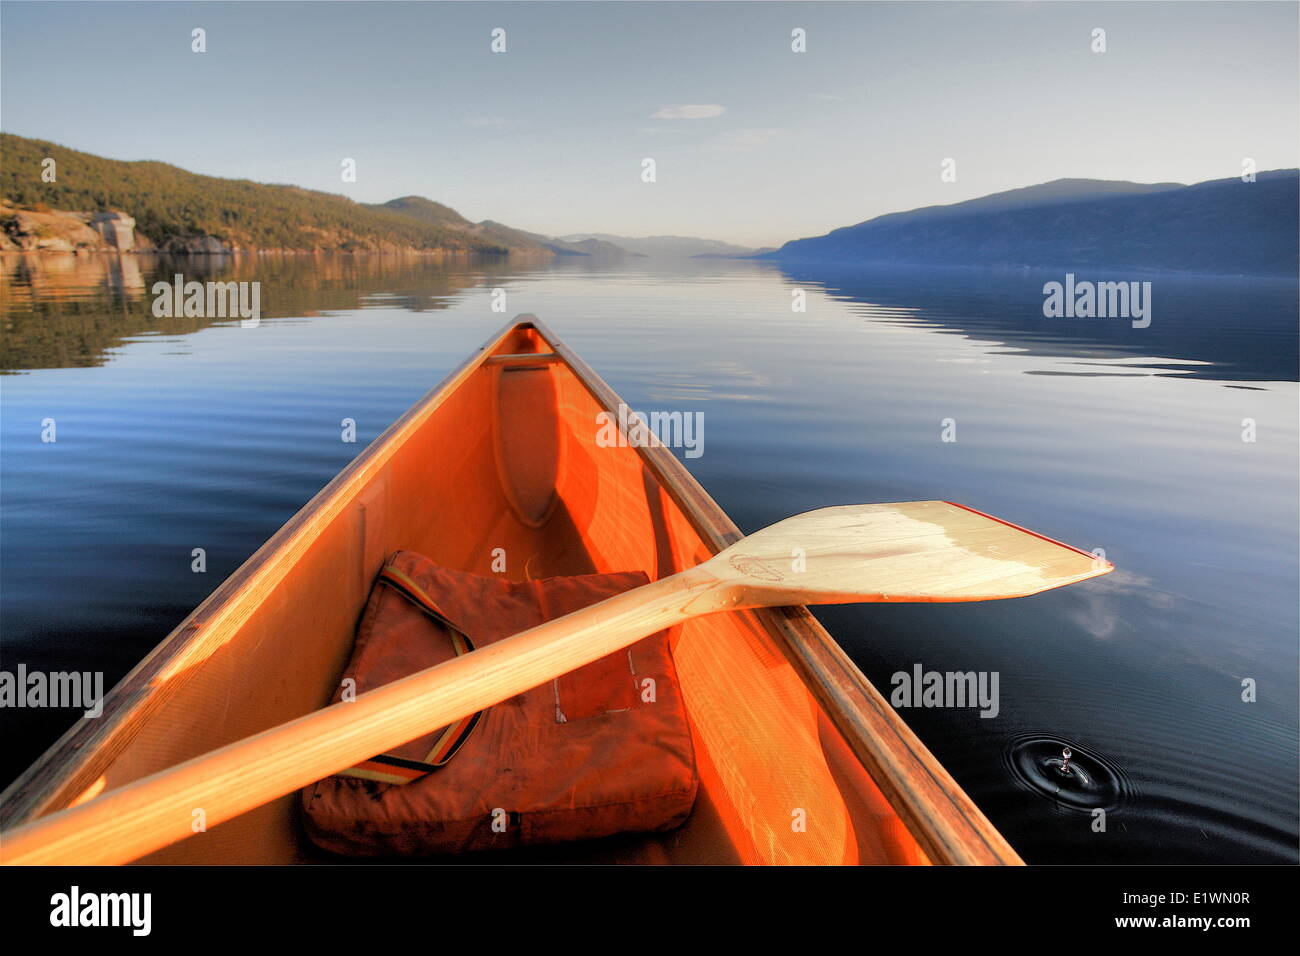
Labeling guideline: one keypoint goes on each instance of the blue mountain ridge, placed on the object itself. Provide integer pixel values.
(1223, 226)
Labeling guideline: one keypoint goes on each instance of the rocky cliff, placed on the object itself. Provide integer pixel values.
(42, 229)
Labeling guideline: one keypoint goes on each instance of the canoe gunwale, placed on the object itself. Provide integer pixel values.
(936, 811)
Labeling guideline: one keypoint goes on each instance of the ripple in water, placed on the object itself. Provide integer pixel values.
(1071, 776)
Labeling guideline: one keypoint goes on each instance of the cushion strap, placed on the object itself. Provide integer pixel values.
(388, 768)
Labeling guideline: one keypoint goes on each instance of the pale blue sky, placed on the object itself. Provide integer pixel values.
(550, 135)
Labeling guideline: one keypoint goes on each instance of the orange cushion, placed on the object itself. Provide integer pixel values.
(603, 750)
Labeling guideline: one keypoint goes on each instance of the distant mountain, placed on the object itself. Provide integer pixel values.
(425, 210)
(179, 211)
(748, 254)
(596, 248)
(444, 217)
(1057, 192)
(666, 247)
(1222, 226)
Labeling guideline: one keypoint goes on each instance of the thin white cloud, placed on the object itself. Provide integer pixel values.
(689, 111)
(831, 97)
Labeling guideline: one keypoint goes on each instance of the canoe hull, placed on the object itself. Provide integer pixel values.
(801, 760)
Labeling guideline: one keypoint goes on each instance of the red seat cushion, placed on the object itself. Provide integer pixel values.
(603, 750)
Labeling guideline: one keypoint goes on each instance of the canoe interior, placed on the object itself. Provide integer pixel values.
(504, 455)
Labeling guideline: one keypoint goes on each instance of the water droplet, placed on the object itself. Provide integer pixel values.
(1073, 777)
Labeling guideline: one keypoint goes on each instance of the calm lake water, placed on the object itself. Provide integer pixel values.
(185, 433)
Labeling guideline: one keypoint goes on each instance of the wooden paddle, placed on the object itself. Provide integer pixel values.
(915, 551)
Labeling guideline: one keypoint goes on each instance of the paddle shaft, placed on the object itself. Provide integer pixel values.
(913, 551)
(156, 811)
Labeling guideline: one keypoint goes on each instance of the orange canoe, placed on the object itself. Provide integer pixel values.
(801, 760)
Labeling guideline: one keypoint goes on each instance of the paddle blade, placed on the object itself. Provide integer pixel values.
(906, 551)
